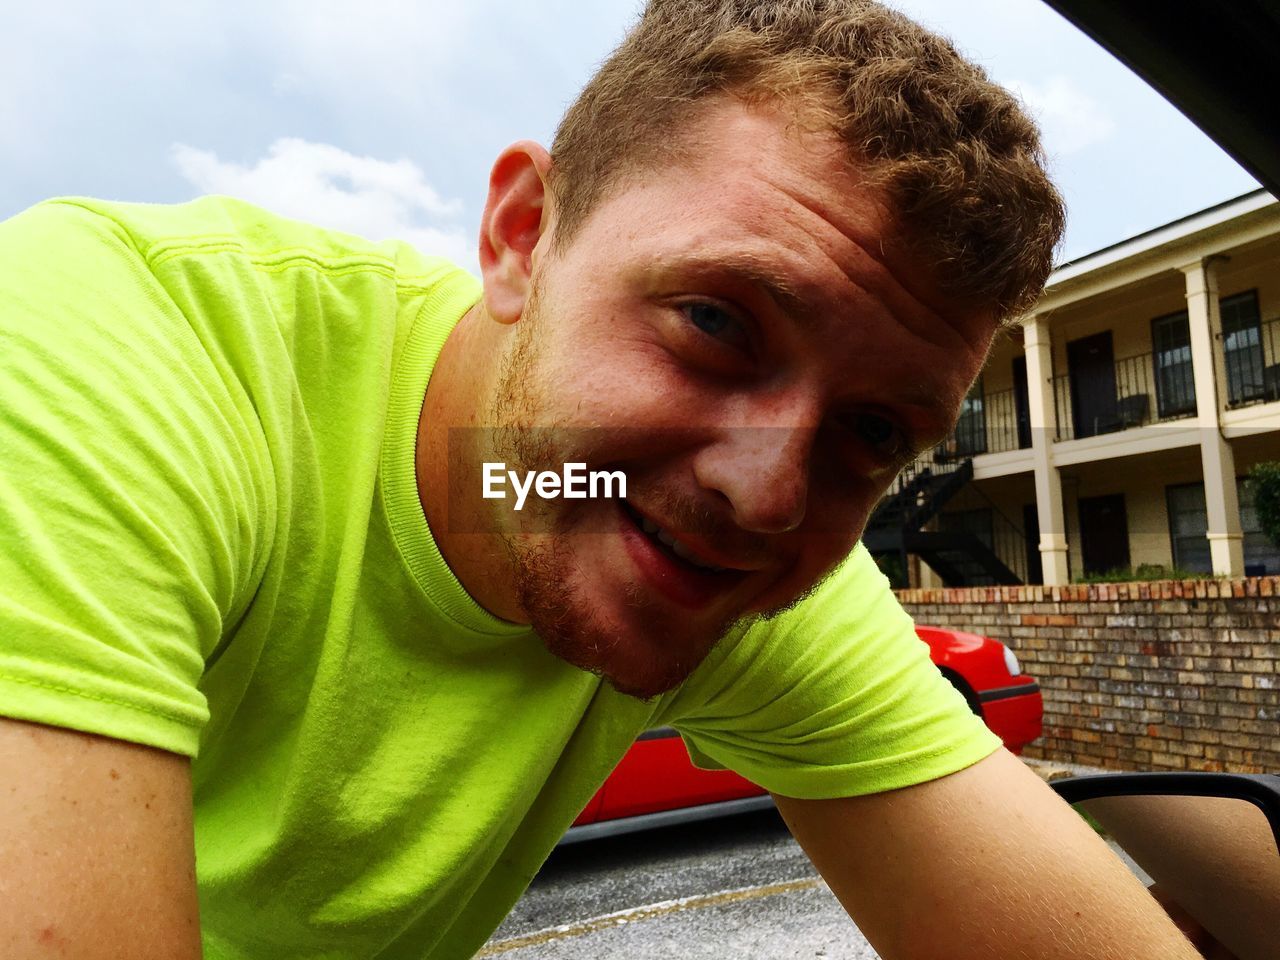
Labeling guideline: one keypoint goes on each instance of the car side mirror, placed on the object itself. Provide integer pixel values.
(1207, 843)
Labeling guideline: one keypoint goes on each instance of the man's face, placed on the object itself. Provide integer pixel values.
(734, 335)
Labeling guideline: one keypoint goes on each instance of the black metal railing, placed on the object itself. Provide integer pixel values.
(1004, 429)
(916, 486)
(975, 544)
(988, 424)
(1252, 358)
(1140, 390)
(975, 512)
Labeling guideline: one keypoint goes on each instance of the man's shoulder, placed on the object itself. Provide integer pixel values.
(853, 606)
(835, 697)
(855, 592)
(161, 232)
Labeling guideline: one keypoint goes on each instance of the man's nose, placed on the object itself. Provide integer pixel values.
(763, 472)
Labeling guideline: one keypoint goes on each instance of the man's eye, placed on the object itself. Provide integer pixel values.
(716, 322)
(707, 318)
(880, 433)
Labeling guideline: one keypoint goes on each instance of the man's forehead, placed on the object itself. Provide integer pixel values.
(728, 142)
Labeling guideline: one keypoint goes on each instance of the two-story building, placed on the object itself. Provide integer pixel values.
(1113, 428)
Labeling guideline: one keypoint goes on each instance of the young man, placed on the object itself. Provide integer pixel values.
(245, 520)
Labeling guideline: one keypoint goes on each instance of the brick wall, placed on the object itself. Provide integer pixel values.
(1168, 675)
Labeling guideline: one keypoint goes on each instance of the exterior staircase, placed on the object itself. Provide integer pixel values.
(917, 497)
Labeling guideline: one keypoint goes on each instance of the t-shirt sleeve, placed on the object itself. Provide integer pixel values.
(836, 697)
(131, 490)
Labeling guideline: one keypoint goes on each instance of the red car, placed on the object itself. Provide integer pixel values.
(655, 783)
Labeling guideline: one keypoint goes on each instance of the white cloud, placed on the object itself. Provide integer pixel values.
(326, 185)
(1070, 119)
(392, 55)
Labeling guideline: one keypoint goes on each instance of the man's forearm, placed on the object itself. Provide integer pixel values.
(986, 863)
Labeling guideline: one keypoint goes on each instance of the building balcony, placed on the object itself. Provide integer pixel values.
(1251, 356)
(1128, 393)
(989, 423)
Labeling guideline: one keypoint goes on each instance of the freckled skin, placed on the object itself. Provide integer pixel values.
(96, 851)
(742, 439)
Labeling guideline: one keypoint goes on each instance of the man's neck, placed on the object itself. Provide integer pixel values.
(449, 481)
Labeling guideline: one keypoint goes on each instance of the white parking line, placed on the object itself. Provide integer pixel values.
(649, 912)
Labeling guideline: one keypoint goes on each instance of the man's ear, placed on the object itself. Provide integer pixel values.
(516, 216)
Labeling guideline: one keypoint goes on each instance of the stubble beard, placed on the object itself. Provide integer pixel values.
(544, 569)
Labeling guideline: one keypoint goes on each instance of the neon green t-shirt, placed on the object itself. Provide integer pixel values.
(211, 543)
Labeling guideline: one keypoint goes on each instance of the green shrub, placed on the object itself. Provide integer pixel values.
(1264, 479)
(1145, 571)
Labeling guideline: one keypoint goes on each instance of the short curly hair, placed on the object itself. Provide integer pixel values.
(955, 155)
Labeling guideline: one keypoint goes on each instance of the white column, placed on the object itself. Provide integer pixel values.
(1053, 538)
(1226, 542)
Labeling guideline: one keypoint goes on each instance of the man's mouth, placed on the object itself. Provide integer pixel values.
(667, 542)
(671, 565)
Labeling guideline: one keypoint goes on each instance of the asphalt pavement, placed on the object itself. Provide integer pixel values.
(739, 886)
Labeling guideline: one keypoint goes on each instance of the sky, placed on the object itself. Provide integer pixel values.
(383, 117)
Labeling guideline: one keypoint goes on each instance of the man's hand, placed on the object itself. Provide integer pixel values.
(986, 863)
(97, 855)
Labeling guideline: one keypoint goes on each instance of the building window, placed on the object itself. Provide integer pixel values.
(1242, 346)
(1188, 524)
(1261, 556)
(971, 428)
(1171, 354)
